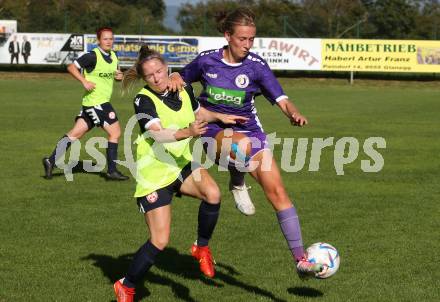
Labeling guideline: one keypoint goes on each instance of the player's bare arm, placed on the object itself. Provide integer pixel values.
(74, 71)
(118, 75)
(166, 135)
(290, 110)
(210, 116)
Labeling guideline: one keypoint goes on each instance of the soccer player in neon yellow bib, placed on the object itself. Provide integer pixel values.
(100, 71)
(165, 166)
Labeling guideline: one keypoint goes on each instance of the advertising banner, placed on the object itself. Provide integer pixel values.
(280, 53)
(381, 55)
(177, 51)
(22, 48)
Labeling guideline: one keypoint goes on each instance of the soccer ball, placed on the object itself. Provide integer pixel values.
(325, 254)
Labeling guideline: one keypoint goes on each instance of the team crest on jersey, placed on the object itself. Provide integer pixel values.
(152, 197)
(242, 81)
(111, 115)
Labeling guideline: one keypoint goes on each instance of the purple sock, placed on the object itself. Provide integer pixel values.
(289, 223)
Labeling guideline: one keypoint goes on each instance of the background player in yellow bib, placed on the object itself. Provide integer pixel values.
(165, 166)
(100, 68)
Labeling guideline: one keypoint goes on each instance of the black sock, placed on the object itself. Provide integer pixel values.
(112, 155)
(208, 216)
(141, 263)
(62, 146)
(237, 177)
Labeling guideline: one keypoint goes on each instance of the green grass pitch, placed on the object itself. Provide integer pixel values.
(69, 241)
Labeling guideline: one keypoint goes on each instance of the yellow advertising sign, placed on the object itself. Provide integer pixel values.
(380, 55)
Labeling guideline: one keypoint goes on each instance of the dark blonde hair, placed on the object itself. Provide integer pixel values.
(135, 72)
(241, 16)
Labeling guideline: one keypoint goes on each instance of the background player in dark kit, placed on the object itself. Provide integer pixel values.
(100, 68)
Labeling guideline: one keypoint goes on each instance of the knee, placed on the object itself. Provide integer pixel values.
(212, 194)
(75, 134)
(114, 137)
(276, 193)
(75, 137)
(115, 134)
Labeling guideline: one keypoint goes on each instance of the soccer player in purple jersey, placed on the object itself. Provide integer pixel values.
(231, 77)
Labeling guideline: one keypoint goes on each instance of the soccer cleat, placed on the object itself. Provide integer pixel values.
(305, 268)
(242, 200)
(115, 175)
(48, 168)
(123, 293)
(204, 256)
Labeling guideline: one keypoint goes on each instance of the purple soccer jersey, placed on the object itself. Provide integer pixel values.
(230, 88)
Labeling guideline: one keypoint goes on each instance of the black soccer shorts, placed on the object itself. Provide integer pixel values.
(163, 196)
(98, 116)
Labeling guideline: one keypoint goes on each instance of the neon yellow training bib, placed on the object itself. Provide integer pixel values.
(103, 76)
(159, 164)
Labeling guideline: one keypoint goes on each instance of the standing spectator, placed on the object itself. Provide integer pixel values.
(14, 49)
(25, 49)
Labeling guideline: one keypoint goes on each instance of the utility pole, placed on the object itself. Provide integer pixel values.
(357, 30)
(284, 26)
(65, 15)
(357, 24)
(141, 24)
(357, 36)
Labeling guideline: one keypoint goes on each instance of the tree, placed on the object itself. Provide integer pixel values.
(392, 19)
(307, 18)
(333, 18)
(200, 18)
(128, 16)
(387, 19)
(279, 18)
(156, 7)
(45, 16)
(428, 20)
(15, 10)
